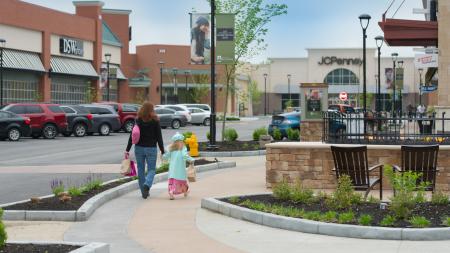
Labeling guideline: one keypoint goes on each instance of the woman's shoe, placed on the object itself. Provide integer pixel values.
(146, 192)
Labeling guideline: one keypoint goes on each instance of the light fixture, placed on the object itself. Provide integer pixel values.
(394, 56)
(400, 64)
(108, 57)
(420, 71)
(379, 40)
(364, 21)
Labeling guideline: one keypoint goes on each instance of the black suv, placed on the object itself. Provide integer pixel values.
(104, 119)
(79, 120)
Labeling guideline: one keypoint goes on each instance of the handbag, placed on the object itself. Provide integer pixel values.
(135, 134)
(132, 170)
(192, 175)
(125, 167)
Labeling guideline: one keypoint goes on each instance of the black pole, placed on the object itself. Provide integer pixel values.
(265, 95)
(212, 126)
(379, 81)
(364, 73)
(107, 82)
(393, 97)
(186, 91)
(160, 84)
(1, 75)
(289, 88)
(420, 87)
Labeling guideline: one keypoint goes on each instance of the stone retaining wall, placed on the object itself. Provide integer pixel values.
(312, 163)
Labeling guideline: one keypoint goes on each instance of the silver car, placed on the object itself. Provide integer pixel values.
(170, 118)
(199, 116)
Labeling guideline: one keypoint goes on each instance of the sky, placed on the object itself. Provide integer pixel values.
(308, 24)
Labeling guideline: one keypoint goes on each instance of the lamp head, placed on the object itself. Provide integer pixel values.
(289, 76)
(379, 40)
(161, 64)
(175, 71)
(2, 42)
(265, 75)
(400, 64)
(187, 72)
(108, 57)
(364, 20)
(420, 71)
(394, 56)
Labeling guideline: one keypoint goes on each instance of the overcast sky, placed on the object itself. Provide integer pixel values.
(308, 24)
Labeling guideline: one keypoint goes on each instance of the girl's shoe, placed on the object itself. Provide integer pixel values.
(171, 196)
(186, 194)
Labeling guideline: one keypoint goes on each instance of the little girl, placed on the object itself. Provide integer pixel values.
(177, 157)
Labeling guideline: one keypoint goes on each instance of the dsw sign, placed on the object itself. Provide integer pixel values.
(71, 46)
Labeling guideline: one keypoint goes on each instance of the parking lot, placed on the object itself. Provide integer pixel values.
(100, 149)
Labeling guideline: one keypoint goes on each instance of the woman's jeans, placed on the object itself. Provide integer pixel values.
(145, 154)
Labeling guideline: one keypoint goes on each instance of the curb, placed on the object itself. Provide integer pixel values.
(322, 228)
(94, 247)
(89, 207)
(232, 153)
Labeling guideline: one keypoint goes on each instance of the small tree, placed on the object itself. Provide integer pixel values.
(202, 88)
(3, 235)
(254, 93)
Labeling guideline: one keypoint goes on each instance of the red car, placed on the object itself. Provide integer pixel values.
(127, 114)
(47, 120)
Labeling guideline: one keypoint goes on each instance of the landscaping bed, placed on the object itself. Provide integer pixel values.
(232, 146)
(23, 248)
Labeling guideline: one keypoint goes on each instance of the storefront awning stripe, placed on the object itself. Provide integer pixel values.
(120, 74)
(15, 59)
(62, 65)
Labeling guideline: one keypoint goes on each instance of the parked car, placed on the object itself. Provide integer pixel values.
(283, 122)
(200, 106)
(79, 120)
(127, 113)
(46, 119)
(337, 124)
(180, 109)
(13, 126)
(199, 116)
(341, 108)
(170, 118)
(104, 119)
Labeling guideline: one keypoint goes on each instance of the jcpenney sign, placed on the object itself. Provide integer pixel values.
(71, 46)
(330, 60)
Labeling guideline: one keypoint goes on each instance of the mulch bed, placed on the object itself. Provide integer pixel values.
(232, 146)
(54, 204)
(32, 248)
(433, 213)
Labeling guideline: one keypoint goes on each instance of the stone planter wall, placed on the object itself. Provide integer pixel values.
(311, 131)
(312, 163)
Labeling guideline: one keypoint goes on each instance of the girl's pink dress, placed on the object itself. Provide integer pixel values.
(178, 186)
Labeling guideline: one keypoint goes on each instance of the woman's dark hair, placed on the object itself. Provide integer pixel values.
(199, 36)
(147, 112)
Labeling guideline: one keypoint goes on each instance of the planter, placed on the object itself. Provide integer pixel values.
(55, 247)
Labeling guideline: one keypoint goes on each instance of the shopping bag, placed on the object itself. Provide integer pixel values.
(125, 168)
(192, 175)
(132, 170)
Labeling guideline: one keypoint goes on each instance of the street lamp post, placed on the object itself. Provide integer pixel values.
(161, 65)
(379, 40)
(364, 21)
(394, 59)
(186, 73)
(289, 87)
(212, 126)
(420, 86)
(400, 65)
(108, 59)
(265, 94)
(2, 45)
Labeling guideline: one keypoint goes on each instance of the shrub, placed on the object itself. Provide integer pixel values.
(187, 135)
(57, 186)
(419, 222)
(329, 216)
(446, 221)
(373, 200)
(277, 135)
(75, 191)
(162, 168)
(258, 206)
(347, 217)
(301, 195)
(245, 146)
(365, 220)
(293, 134)
(388, 221)
(440, 198)
(282, 191)
(258, 132)
(315, 215)
(208, 135)
(93, 185)
(230, 134)
(344, 196)
(3, 235)
(234, 199)
(407, 193)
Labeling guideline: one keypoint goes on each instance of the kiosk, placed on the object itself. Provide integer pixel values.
(313, 101)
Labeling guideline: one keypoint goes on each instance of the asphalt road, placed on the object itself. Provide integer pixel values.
(98, 149)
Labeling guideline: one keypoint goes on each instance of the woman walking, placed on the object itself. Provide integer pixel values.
(145, 149)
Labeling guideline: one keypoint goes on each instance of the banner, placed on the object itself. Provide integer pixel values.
(426, 61)
(399, 78)
(103, 77)
(200, 38)
(389, 74)
(225, 39)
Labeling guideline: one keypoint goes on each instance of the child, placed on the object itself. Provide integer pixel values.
(177, 157)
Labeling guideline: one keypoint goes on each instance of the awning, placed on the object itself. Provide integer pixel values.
(15, 59)
(181, 72)
(139, 82)
(120, 74)
(69, 66)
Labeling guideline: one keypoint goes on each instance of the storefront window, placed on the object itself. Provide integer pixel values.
(69, 90)
(295, 98)
(341, 77)
(20, 91)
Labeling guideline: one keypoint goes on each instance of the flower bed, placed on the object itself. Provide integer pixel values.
(232, 146)
(51, 248)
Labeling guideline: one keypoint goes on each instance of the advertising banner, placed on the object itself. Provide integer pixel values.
(225, 39)
(399, 78)
(200, 38)
(426, 61)
(389, 74)
(103, 77)
(313, 98)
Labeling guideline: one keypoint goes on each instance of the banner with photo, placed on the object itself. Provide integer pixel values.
(389, 74)
(225, 39)
(399, 78)
(200, 38)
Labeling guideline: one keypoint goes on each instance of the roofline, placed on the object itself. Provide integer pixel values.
(116, 11)
(339, 48)
(88, 3)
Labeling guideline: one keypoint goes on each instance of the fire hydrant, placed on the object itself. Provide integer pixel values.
(193, 145)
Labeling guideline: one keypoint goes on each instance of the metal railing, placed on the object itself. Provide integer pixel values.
(387, 129)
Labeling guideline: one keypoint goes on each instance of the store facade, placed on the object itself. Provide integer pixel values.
(341, 69)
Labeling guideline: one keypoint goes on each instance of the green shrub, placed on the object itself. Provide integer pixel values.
(407, 193)
(419, 222)
(3, 235)
(287, 211)
(258, 206)
(293, 134)
(57, 186)
(234, 199)
(93, 185)
(344, 196)
(245, 146)
(301, 195)
(388, 221)
(276, 134)
(346, 217)
(230, 134)
(187, 135)
(446, 221)
(75, 191)
(440, 198)
(365, 220)
(282, 191)
(315, 215)
(329, 216)
(258, 132)
(164, 167)
(208, 135)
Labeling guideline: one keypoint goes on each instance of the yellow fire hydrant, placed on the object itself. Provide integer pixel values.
(193, 145)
